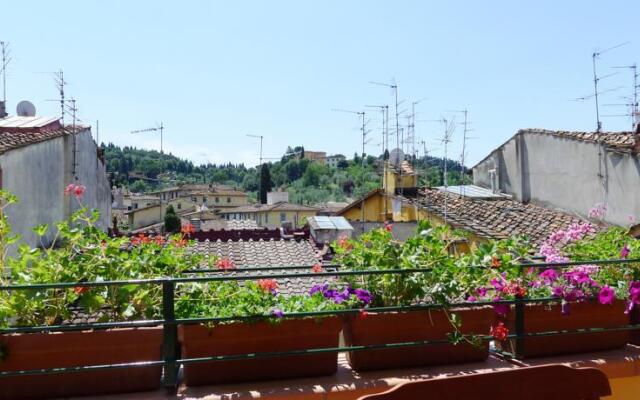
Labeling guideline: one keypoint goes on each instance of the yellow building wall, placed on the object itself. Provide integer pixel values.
(295, 217)
(145, 217)
(224, 200)
(374, 210)
(182, 204)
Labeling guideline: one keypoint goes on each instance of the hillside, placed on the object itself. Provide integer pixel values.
(307, 182)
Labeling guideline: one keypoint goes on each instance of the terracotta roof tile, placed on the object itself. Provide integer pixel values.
(497, 218)
(268, 255)
(10, 140)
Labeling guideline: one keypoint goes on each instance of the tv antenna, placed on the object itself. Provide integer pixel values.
(364, 142)
(259, 167)
(635, 113)
(449, 128)
(394, 87)
(158, 128)
(6, 58)
(594, 56)
(384, 110)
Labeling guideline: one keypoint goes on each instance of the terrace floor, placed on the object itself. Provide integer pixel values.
(622, 367)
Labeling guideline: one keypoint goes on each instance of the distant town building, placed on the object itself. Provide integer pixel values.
(272, 215)
(39, 157)
(277, 197)
(572, 171)
(316, 156)
(332, 161)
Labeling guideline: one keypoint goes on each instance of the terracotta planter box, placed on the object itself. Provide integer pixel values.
(415, 326)
(634, 318)
(72, 349)
(548, 317)
(243, 338)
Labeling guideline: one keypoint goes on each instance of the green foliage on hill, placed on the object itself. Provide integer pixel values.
(307, 182)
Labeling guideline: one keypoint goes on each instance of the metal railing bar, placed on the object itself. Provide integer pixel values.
(86, 368)
(79, 327)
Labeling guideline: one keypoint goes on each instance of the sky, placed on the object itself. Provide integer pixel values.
(215, 71)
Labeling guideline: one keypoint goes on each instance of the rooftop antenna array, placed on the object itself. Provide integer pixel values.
(394, 87)
(384, 110)
(259, 166)
(364, 143)
(449, 128)
(596, 79)
(634, 112)
(465, 130)
(158, 128)
(6, 58)
(60, 83)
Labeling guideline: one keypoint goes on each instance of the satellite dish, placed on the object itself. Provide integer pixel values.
(396, 156)
(26, 109)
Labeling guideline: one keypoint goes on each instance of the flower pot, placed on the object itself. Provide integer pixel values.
(80, 348)
(548, 317)
(261, 337)
(399, 327)
(634, 318)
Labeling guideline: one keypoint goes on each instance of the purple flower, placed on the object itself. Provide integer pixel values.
(624, 252)
(363, 295)
(482, 291)
(497, 284)
(549, 275)
(472, 299)
(500, 308)
(606, 295)
(276, 312)
(318, 288)
(557, 291)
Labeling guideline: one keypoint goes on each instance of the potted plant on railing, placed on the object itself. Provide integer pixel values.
(447, 283)
(253, 317)
(588, 296)
(82, 253)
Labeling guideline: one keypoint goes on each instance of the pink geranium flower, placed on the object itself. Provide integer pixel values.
(624, 252)
(606, 295)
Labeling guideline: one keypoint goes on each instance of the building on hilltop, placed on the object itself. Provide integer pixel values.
(334, 160)
(316, 156)
(574, 171)
(39, 157)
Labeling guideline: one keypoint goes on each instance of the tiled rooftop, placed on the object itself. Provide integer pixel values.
(497, 218)
(269, 255)
(14, 139)
(617, 140)
(280, 206)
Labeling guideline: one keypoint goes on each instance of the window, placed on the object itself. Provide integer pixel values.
(179, 206)
(204, 199)
(228, 199)
(283, 217)
(135, 206)
(193, 198)
(217, 199)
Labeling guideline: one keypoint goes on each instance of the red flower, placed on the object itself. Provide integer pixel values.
(187, 229)
(80, 289)
(268, 285)
(159, 240)
(499, 332)
(495, 262)
(225, 263)
(363, 314)
(388, 226)
(180, 242)
(317, 268)
(69, 189)
(79, 191)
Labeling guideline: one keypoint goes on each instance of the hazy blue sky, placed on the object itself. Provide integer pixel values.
(215, 71)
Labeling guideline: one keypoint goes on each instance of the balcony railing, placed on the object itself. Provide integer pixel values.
(171, 361)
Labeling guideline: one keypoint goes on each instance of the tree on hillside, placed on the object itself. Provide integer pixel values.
(265, 183)
(171, 220)
(139, 186)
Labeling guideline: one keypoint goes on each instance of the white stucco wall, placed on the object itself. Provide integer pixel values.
(38, 174)
(567, 174)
